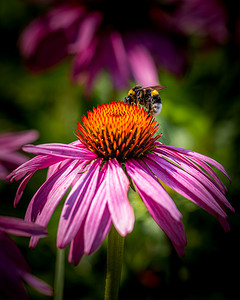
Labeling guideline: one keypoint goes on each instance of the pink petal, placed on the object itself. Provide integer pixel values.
(49, 189)
(49, 194)
(14, 269)
(201, 176)
(64, 16)
(158, 202)
(38, 284)
(77, 247)
(20, 227)
(54, 168)
(184, 184)
(77, 204)
(14, 140)
(117, 59)
(201, 163)
(141, 59)
(82, 62)
(173, 228)
(3, 172)
(200, 157)
(86, 31)
(44, 42)
(104, 227)
(32, 36)
(21, 188)
(32, 165)
(12, 159)
(224, 223)
(151, 187)
(98, 220)
(10, 254)
(61, 150)
(211, 172)
(117, 184)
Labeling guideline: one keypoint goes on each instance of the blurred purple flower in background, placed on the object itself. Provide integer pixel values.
(130, 39)
(13, 267)
(9, 144)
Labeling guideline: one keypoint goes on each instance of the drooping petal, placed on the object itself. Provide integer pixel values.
(51, 187)
(11, 261)
(11, 160)
(49, 194)
(36, 283)
(201, 163)
(64, 16)
(10, 283)
(10, 251)
(21, 188)
(3, 172)
(117, 185)
(117, 60)
(173, 228)
(20, 227)
(98, 220)
(54, 168)
(61, 150)
(152, 187)
(184, 183)
(37, 40)
(141, 59)
(14, 269)
(44, 42)
(104, 227)
(14, 140)
(83, 60)
(77, 204)
(159, 203)
(77, 247)
(158, 49)
(201, 176)
(199, 156)
(211, 172)
(85, 32)
(32, 165)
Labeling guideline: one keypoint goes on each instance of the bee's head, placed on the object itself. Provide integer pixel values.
(129, 98)
(156, 109)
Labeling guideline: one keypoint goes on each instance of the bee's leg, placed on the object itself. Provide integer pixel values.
(127, 100)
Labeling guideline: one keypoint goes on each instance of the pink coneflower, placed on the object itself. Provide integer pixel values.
(124, 39)
(13, 267)
(100, 35)
(10, 143)
(117, 147)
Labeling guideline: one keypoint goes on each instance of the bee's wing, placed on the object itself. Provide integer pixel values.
(156, 87)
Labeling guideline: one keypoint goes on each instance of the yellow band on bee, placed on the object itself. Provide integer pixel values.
(154, 93)
(131, 92)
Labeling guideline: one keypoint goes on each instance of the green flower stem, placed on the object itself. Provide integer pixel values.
(59, 274)
(114, 264)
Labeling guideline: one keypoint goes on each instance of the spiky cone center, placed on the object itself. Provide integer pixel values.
(118, 130)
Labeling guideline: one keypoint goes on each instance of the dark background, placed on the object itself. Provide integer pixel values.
(200, 112)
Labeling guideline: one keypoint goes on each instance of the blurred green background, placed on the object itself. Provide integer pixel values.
(200, 112)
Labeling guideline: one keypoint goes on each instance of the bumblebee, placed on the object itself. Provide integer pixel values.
(146, 96)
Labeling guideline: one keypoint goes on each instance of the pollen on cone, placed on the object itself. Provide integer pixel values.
(118, 130)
